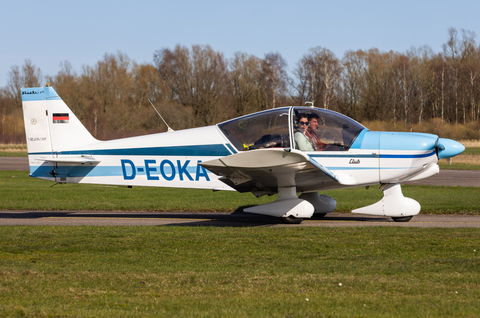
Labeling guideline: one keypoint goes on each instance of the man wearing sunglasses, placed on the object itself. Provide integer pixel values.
(312, 135)
(301, 141)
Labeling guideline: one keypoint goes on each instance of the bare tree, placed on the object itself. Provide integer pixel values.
(32, 75)
(14, 85)
(375, 91)
(4, 109)
(300, 84)
(196, 78)
(247, 90)
(352, 80)
(402, 71)
(331, 71)
(274, 77)
(27, 76)
(67, 85)
(319, 73)
(471, 71)
(108, 86)
(456, 52)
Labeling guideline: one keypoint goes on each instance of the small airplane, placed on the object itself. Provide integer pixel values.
(263, 153)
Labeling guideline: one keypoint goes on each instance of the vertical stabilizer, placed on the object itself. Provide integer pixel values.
(50, 125)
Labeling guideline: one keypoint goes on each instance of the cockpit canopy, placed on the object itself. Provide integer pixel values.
(279, 128)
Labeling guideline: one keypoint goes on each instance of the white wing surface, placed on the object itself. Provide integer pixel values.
(263, 171)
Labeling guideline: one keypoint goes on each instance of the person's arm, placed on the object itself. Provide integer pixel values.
(302, 142)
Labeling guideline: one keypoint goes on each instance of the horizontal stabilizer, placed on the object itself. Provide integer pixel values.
(73, 159)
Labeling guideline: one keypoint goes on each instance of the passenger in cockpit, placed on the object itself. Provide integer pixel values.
(317, 144)
(301, 141)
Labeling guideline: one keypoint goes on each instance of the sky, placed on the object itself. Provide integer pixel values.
(82, 32)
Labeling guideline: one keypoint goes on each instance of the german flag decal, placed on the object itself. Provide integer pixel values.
(60, 118)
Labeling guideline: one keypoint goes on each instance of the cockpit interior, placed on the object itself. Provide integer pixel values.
(287, 127)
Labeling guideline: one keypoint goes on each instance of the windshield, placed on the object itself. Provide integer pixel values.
(268, 129)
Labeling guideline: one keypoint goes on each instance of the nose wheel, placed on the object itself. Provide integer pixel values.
(402, 219)
(292, 220)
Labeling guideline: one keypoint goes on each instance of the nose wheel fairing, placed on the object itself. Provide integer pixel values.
(393, 204)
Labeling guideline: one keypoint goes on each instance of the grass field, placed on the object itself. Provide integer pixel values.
(13, 150)
(445, 165)
(238, 272)
(471, 151)
(13, 147)
(468, 160)
(21, 192)
(13, 154)
(10, 150)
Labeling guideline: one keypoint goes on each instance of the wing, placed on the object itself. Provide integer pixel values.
(263, 171)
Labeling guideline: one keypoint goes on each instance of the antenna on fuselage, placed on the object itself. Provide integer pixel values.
(169, 129)
(309, 103)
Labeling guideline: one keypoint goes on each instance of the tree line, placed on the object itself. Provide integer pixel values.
(199, 86)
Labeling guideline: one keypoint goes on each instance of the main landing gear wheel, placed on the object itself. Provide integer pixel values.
(292, 220)
(402, 218)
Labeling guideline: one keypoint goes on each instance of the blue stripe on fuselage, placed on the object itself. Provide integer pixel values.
(425, 155)
(343, 155)
(390, 156)
(198, 150)
(105, 171)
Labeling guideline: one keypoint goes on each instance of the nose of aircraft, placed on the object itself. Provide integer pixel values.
(447, 148)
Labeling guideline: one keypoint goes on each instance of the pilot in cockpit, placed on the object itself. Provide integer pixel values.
(310, 133)
(301, 140)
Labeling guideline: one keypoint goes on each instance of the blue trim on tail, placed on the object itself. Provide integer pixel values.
(39, 93)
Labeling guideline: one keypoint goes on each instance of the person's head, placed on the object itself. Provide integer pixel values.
(302, 122)
(313, 120)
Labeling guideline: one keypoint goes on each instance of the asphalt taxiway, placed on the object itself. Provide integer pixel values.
(222, 219)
